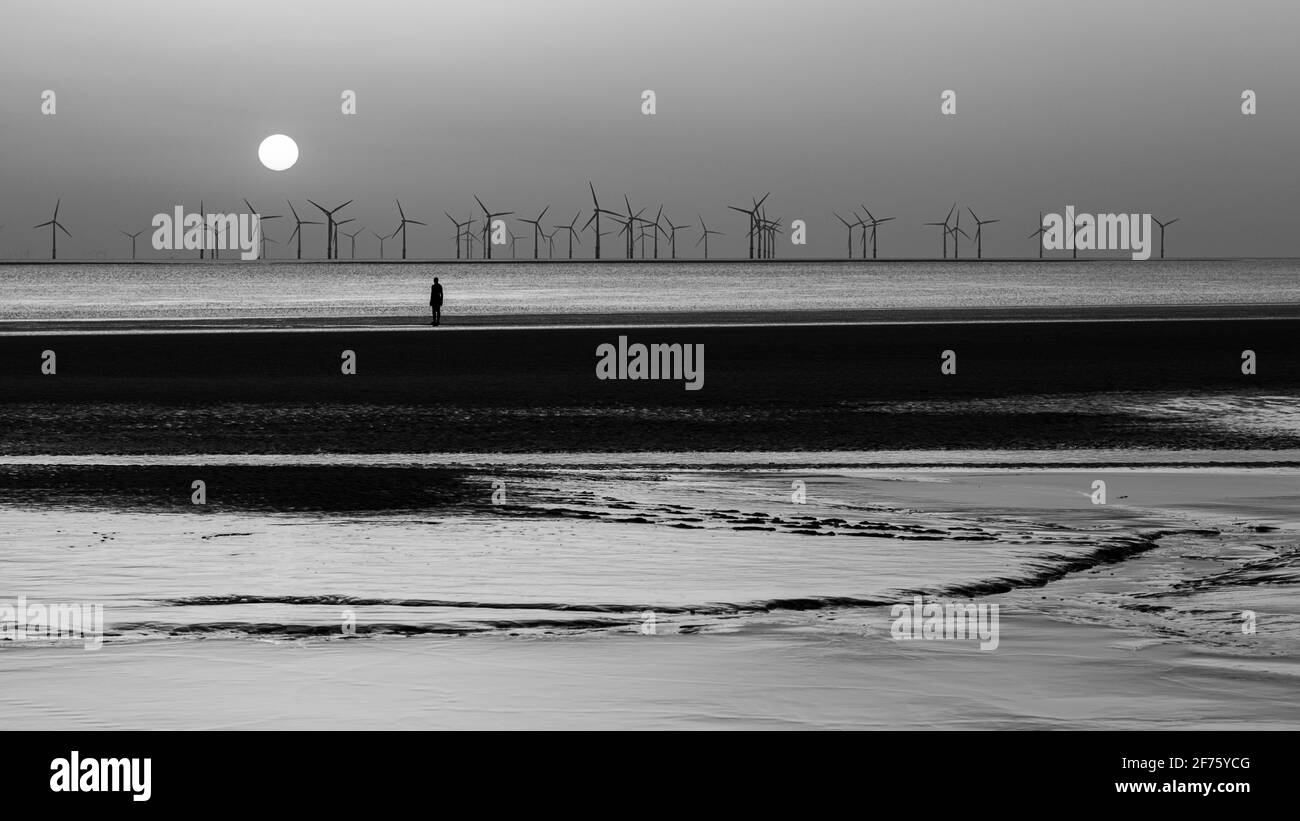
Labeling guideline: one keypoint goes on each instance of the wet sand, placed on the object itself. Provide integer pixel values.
(1045, 675)
(803, 387)
(1148, 640)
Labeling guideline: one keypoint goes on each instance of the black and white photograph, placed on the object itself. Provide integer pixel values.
(923, 368)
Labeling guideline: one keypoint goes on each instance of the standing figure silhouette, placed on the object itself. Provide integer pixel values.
(435, 302)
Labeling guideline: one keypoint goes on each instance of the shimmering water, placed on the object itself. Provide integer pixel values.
(369, 289)
(595, 548)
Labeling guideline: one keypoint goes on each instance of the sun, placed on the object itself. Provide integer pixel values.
(278, 152)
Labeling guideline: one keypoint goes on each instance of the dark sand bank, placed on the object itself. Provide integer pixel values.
(535, 389)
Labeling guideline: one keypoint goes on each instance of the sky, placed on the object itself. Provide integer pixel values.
(1110, 106)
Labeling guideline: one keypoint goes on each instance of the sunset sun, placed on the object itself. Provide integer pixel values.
(278, 152)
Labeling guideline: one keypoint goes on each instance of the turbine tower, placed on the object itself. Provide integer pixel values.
(401, 226)
(488, 216)
(874, 222)
(573, 232)
(979, 232)
(353, 237)
(1163, 226)
(55, 227)
(704, 236)
(946, 228)
(329, 229)
(297, 228)
(1039, 233)
(261, 219)
(537, 229)
(132, 236)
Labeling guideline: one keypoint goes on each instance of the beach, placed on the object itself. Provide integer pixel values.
(1049, 676)
(865, 386)
(1118, 616)
(361, 521)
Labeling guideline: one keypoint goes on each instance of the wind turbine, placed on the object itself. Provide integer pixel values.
(401, 226)
(329, 230)
(216, 244)
(470, 239)
(672, 234)
(132, 236)
(261, 219)
(1039, 233)
(487, 226)
(621, 220)
(353, 237)
(643, 234)
(753, 219)
(704, 236)
(956, 229)
(595, 218)
(460, 226)
(874, 223)
(946, 228)
(336, 233)
(595, 215)
(297, 228)
(770, 229)
(979, 232)
(537, 229)
(381, 243)
(632, 219)
(573, 233)
(510, 235)
(850, 226)
(550, 243)
(1163, 226)
(864, 225)
(659, 229)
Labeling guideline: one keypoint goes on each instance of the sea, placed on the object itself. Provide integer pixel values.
(287, 289)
